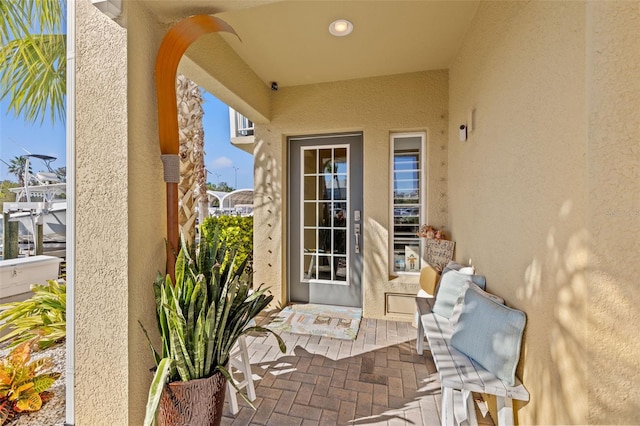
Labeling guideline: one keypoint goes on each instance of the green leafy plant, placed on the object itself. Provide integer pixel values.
(41, 318)
(24, 383)
(236, 232)
(202, 315)
(33, 48)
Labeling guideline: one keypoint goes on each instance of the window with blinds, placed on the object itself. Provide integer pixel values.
(408, 167)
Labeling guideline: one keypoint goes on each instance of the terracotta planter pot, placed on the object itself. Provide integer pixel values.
(197, 402)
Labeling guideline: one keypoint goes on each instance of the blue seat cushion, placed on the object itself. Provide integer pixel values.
(491, 334)
(450, 287)
(457, 308)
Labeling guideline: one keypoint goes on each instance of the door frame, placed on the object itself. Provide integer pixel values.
(355, 261)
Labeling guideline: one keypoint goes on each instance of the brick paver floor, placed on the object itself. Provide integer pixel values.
(377, 379)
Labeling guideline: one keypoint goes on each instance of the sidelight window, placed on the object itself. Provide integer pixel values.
(408, 196)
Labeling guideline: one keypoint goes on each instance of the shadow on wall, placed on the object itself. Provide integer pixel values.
(267, 207)
(556, 346)
(268, 190)
(614, 347)
(377, 267)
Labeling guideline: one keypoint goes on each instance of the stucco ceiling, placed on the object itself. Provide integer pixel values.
(289, 41)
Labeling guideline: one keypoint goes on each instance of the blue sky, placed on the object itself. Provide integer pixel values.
(220, 155)
(16, 136)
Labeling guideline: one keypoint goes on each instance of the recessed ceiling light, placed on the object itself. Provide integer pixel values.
(340, 28)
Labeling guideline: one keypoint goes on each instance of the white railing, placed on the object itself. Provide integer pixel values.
(239, 124)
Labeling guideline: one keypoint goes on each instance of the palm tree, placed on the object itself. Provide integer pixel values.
(16, 167)
(61, 173)
(33, 68)
(192, 184)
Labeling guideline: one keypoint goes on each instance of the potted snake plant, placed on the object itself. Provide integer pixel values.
(200, 317)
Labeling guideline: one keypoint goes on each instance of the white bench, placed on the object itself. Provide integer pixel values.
(460, 375)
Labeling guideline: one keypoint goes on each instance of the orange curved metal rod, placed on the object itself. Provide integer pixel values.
(174, 44)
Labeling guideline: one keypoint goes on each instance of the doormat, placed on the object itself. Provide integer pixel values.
(339, 322)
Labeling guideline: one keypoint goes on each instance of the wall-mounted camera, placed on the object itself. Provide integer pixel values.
(274, 86)
(463, 132)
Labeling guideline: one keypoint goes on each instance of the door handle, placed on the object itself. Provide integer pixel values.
(356, 231)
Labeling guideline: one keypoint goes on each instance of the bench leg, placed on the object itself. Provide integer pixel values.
(420, 337)
(471, 409)
(448, 417)
(464, 409)
(246, 368)
(239, 359)
(505, 411)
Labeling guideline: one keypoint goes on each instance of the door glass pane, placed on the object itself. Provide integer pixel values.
(324, 215)
(310, 240)
(325, 157)
(324, 267)
(325, 211)
(341, 268)
(309, 263)
(339, 241)
(324, 237)
(309, 214)
(310, 161)
(340, 184)
(326, 186)
(340, 161)
(339, 216)
(309, 188)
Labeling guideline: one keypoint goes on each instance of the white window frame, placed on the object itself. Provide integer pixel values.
(422, 198)
(319, 174)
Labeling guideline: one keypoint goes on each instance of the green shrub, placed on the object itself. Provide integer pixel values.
(41, 318)
(236, 232)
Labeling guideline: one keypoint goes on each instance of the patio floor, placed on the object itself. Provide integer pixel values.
(377, 379)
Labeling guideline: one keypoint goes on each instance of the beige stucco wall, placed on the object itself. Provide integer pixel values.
(147, 200)
(613, 215)
(544, 194)
(120, 210)
(102, 233)
(377, 107)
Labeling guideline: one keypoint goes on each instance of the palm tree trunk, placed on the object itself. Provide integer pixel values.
(191, 136)
(201, 172)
